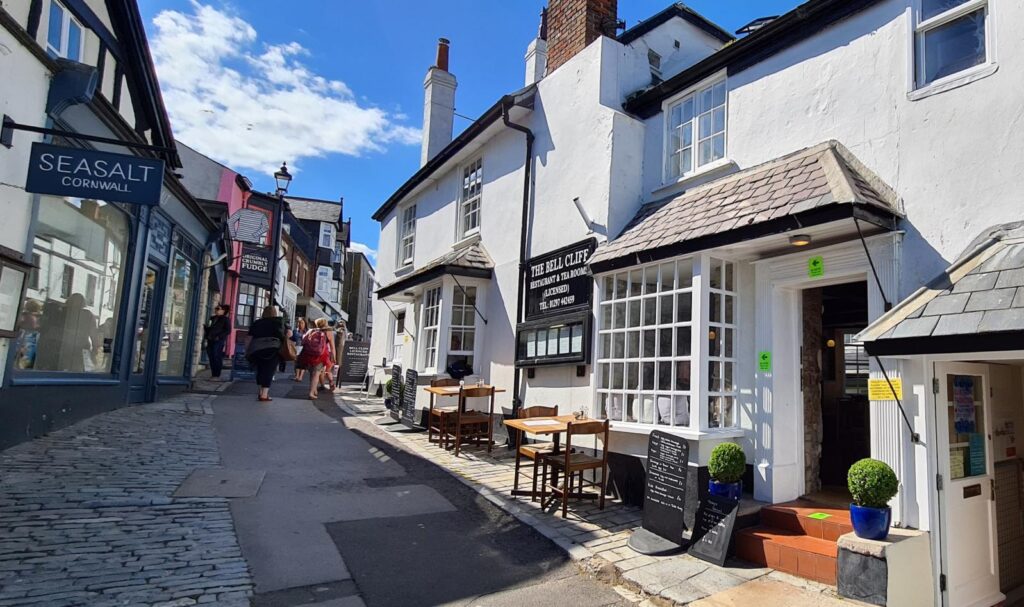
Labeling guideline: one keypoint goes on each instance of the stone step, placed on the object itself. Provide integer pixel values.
(788, 551)
(808, 518)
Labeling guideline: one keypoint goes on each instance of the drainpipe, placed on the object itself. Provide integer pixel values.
(517, 397)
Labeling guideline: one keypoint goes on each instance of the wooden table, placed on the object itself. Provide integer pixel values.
(436, 391)
(553, 425)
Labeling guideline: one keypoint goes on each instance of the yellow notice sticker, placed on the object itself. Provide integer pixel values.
(878, 389)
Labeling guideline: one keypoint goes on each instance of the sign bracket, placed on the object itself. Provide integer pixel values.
(9, 126)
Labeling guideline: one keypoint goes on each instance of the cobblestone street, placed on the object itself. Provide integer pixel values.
(87, 514)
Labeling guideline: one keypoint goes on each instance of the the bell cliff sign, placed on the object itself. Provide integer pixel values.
(81, 173)
(559, 281)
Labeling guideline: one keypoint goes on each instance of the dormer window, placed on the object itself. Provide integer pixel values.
(64, 34)
(696, 130)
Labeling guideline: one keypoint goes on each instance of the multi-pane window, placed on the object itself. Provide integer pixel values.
(251, 301)
(431, 321)
(469, 208)
(326, 235)
(323, 281)
(721, 278)
(407, 235)
(462, 332)
(645, 345)
(950, 37)
(64, 34)
(696, 131)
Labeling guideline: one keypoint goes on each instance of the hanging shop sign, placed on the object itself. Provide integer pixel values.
(560, 281)
(254, 266)
(82, 173)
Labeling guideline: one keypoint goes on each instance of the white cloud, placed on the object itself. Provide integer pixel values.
(365, 249)
(252, 105)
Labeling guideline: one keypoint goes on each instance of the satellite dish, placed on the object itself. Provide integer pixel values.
(248, 225)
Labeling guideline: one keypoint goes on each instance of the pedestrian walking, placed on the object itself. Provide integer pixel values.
(297, 335)
(316, 354)
(282, 366)
(266, 336)
(215, 334)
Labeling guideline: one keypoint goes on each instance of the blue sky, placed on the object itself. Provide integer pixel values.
(335, 87)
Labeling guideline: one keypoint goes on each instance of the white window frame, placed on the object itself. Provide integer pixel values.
(431, 315)
(323, 282)
(726, 330)
(693, 94)
(327, 235)
(67, 20)
(463, 328)
(923, 26)
(406, 235)
(470, 204)
(397, 338)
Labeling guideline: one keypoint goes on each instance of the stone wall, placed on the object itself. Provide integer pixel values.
(810, 382)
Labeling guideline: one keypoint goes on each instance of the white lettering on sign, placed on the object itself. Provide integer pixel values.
(99, 169)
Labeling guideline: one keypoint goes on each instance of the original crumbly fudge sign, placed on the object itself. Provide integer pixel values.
(560, 281)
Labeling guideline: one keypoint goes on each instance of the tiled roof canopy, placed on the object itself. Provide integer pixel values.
(822, 176)
(470, 261)
(976, 305)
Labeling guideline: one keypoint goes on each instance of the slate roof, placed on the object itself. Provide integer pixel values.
(976, 304)
(472, 260)
(812, 178)
(313, 209)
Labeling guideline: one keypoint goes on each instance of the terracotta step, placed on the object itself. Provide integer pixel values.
(796, 517)
(788, 551)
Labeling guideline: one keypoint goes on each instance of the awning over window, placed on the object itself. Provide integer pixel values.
(814, 186)
(472, 261)
(976, 305)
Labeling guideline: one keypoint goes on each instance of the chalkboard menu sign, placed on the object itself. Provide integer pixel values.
(240, 366)
(560, 281)
(355, 360)
(409, 397)
(716, 518)
(668, 459)
(396, 388)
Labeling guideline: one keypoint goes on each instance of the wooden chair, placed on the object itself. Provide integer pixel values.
(472, 425)
(536, 451)
(436, 415)
(572, 465)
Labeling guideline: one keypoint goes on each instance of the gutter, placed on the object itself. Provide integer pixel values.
(506, 103)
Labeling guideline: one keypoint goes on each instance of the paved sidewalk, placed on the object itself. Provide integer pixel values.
(597, 538)
(87, 514)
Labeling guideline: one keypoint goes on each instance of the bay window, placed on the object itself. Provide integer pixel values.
(462, 331)
(431, 325)
(695, 130)
(950, 37)
(721, 305)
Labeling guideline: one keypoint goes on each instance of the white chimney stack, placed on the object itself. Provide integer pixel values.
(438, 105)
(537, 52)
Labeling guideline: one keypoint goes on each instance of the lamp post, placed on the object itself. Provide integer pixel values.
(283, 179)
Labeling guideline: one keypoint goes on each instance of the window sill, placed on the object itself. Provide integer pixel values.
(703, 174)
(467, 241)
(954, 81)
(687, 433)
(402, 271)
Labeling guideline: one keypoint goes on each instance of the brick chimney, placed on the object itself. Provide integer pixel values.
(438, 105)
(574, 24)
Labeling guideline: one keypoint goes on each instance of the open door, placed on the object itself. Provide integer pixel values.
(966, 499)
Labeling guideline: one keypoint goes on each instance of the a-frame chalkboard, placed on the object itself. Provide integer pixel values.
(712, 533)
(409, 398)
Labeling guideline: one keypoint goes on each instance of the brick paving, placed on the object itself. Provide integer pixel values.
(87, 515)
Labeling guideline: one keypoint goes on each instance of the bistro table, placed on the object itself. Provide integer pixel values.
(555, 426)
(436, 391)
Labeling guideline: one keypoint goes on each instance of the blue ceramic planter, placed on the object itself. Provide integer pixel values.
(727, 490)
(870, 523)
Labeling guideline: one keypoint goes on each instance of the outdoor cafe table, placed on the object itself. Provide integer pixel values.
(555, 426)
(436, 391)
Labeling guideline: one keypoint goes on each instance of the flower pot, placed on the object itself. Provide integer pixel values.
(870, 523)
(727, 490)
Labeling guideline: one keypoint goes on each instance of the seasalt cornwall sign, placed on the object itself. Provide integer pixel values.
(559, 281)
(79, 173)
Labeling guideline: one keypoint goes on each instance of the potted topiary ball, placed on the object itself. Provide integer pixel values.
(726, 467)
(872, 484)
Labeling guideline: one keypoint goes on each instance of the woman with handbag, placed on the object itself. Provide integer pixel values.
(316, 354)
(266, 339)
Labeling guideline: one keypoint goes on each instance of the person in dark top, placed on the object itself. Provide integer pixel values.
(216, 334)
(265, 338)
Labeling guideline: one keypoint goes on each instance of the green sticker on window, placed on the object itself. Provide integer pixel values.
(816, 267)
(819, 516)
(764, 361)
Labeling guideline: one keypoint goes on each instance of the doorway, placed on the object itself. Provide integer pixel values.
(145, 341)
(834, 378)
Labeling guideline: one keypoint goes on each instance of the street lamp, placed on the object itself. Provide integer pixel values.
(283, 179)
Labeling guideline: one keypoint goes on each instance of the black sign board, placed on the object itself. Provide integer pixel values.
(355, 360)
(668, 459)
(560, 281)
(716, 518)
(409, 397)
(82, 173)
(255, 265)
(240, 366)
(396, 388)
